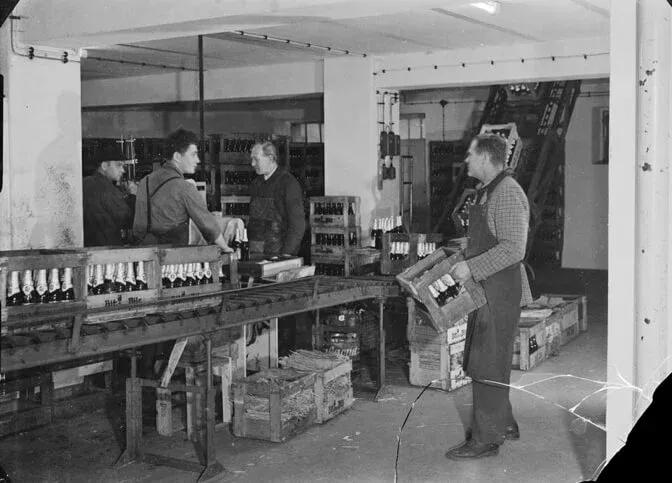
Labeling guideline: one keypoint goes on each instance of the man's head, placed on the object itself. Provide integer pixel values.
(264, 158)
(184, 148)
(486, 156)
(110, 163)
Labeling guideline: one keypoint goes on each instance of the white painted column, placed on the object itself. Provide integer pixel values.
(351, 138)
(639, 209)
(41, 199)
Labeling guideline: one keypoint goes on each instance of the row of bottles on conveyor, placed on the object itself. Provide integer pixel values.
(399, 250)
(327, 208)
(187, 275)
(239, 177)
(444, 289)
(40, 286)
(335, 239)
(385, 225)
(116, 277)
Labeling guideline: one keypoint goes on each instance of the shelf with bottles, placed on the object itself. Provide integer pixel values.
(447, 301)
(237, 207)
(357, 261)
(334, 211)
(37, 283)
(236, 179)
(121, 277)
(380, 226)
(401, 250)
(334, 241)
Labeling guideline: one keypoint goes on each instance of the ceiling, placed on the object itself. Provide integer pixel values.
(421, 28)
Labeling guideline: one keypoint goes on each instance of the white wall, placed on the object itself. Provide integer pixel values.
(586, 185)
(41, 199)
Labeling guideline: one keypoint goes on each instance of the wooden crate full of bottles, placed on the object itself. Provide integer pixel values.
(236, 207)
(357, 261)
(190, 270)
(334, 211)
(446, 301)
(401, 250)
(37, 283)
(120, 278)
(333, 241)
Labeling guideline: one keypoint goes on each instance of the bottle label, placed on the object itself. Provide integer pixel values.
(27, 290)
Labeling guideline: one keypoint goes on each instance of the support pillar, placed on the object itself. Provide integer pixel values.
(41, 198)
(640, 236)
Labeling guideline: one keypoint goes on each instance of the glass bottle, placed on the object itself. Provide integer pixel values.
(14, 293)
(131, 285)
(29, 293)
(120, 278)
(66, 285)
(41, 286)
(55, 293)
(140, 277)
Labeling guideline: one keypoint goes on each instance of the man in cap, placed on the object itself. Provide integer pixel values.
(108, 210)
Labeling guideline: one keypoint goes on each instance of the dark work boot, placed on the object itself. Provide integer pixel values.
(473, 450)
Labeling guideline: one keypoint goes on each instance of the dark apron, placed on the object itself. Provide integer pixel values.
(265, 229)
(488, 348)
(178, 235)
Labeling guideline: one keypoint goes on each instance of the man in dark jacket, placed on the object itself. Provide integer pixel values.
(108, 211)
(277, 220)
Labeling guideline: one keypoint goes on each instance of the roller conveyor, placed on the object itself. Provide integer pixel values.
(31, 344)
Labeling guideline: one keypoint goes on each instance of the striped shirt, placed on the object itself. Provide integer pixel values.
(508, 218)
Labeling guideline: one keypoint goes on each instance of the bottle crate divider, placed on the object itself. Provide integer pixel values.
(22, 260)
(325, 211)
(388, 266)
(418, 278)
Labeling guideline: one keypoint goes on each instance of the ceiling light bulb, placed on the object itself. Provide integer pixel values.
(491, 7)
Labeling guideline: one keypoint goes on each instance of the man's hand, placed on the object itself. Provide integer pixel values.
(132, 188)
(460, 272)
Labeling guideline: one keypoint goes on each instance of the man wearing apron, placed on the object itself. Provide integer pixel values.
(166, 201)
(277, 220)
(496, 241)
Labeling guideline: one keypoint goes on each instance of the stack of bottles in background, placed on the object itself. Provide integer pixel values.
(425, 249)
(40, 286)
(399, 250)
(390, 224)
(116, 277)
(236, 209)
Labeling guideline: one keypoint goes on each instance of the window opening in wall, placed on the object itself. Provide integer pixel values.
(307, 132)
(412, 126)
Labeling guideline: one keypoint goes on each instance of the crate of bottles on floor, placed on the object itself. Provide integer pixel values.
(357, 261)
(236, 207)
(401, 250)
(436, 356)
(42, 282)
(381, 226)
(430, 283)
(334, 211)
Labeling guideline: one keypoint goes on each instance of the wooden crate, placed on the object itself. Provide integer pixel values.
(416, 280)
(358, 261)
(274, 404)
(333, 388)
(237, 207)
(320, 248)
(125, 300)
(530, 345)
(393, 267)
(436, 355)
(190, 254)
(568, 319)
(20, 260)
(350, 216)
(581, 302)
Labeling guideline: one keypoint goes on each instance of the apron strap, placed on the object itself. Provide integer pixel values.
(149, 199)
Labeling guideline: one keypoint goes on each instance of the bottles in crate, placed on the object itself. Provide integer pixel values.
(444, 289)
(115, 277)
(238, 177)
(385, 225)
(186, 274)
(335, 239)
(333, 269)
(399, 250)
(335, 208)
(425, 249)
(237, 209)
(39, 286)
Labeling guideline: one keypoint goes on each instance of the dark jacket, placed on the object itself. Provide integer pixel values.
(281, 220)
(106, 211)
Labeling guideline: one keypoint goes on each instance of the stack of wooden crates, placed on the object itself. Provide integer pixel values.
(336, 238)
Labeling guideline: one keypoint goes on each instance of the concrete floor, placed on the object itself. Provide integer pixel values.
(360, 445)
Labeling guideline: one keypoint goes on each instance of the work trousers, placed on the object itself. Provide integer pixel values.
(491, 412)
